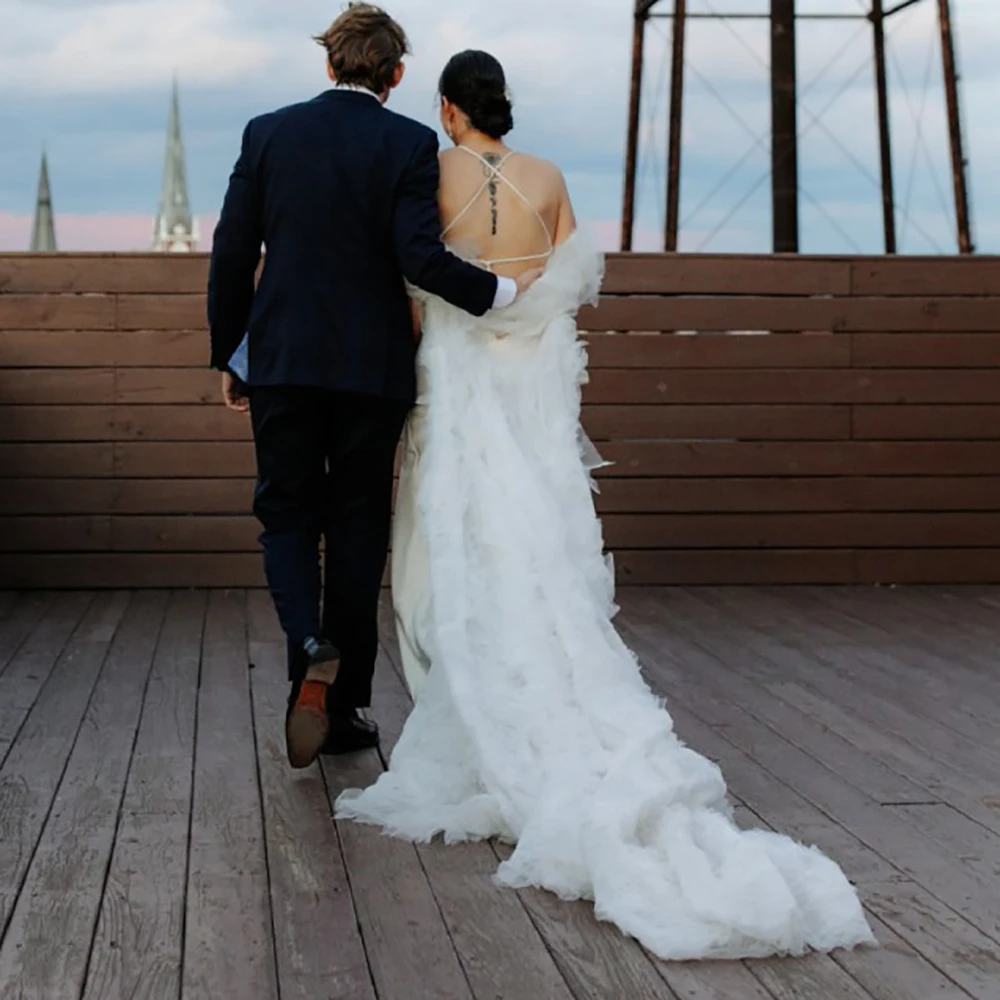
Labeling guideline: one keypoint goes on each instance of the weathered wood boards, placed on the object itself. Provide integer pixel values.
(857, 440)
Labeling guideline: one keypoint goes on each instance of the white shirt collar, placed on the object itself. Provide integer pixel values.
(358, 90)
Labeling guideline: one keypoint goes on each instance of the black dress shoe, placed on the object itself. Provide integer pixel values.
(349, 733)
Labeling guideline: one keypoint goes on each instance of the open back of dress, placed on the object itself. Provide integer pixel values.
(485, 206)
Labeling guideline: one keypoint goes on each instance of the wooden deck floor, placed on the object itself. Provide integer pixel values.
(153, 843)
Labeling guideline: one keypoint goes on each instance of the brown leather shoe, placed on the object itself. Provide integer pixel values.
(307, 724)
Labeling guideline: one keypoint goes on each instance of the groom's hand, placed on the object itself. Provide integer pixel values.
(527, 279)
(234, 394)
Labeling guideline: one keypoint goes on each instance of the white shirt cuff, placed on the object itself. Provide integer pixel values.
(506, 293)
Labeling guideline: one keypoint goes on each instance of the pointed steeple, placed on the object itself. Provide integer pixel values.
(43, 234)
(175, 229)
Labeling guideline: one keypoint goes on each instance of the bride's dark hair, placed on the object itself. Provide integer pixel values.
(474, 81)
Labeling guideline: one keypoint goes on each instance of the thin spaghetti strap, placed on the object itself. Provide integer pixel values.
(495, 174)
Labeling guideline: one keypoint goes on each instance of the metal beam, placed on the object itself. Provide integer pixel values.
(884, 136)
(784, 128)
(902, 5)
(632, 138)
(958, 164)
(676, 127)
(722, 16)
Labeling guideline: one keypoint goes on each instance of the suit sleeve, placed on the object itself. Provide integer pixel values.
(423, 257)
(236, 249)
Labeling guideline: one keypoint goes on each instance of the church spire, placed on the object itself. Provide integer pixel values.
(175, 228)
(43, 234)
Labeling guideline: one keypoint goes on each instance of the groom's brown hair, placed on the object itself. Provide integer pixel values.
(364, 46)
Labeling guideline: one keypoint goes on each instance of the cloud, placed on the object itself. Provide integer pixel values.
(91, 78)
(99, 47)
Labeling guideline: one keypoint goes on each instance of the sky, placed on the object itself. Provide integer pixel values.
(90, 79)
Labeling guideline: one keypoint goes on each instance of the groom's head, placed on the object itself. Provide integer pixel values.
(365, 48)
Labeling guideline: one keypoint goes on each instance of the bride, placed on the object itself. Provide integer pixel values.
(532, 722)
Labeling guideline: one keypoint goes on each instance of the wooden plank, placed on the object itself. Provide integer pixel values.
(925, 350)
(92, 348)
(126, 496)
(23, 614)
(814, 977)
(227, 891)
(777, 495)
(162, 312)
(927, 423)
(913, 566)
(183, 534)
(670, 388)
(57, 496)
(962, 952)
(848, 315)
(46, 460)
(76, 571)
(788, 386)
(799, 531)
(678, 566)
(926, 276)
(956, 835)
(831, 458)
(193, 460)
(729, 275)
(736, 423)
(89, 533)
(32, 660)
(103, 273)
(61, 896)
(180, 423)
(182, 496)
(56, 386)
(33, 770)
(319, 949)
(57, 312)
(410, 952)
(138, 940)
(167, 386)
(657, 350)
(56, 423)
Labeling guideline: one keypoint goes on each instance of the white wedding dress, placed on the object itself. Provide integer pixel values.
(532, 722)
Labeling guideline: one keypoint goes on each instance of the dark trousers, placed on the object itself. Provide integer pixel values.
(324, 471)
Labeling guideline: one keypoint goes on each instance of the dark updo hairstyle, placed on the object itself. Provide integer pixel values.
(474, 82)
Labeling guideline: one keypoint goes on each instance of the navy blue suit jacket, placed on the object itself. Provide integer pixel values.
(342, 193)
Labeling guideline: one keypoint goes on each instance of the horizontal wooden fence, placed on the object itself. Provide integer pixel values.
(770, 420)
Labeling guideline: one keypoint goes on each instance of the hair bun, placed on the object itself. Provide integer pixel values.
(491, 113)
(474, 81)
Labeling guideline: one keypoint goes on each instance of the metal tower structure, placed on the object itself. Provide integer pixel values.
(783, 19)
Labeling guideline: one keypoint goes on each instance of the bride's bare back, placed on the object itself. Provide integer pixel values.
(506, 209)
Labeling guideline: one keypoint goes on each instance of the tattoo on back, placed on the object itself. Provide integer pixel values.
(490, 169)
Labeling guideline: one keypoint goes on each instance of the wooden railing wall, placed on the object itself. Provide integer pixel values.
(858, 440)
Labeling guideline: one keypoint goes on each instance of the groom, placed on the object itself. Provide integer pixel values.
(343, 195)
